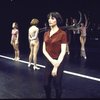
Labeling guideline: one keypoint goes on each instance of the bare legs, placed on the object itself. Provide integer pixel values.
(30, 56)
(83, 41)
(33, 55)
(36, 48)
(16, 50)
(17, 55)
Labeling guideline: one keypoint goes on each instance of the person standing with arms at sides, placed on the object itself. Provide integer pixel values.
(75, 42)
(33, 42)
(54, 49)
(15, 40)
(83, 29)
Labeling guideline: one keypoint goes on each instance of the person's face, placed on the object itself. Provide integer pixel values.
(52, 21)
(13, 25)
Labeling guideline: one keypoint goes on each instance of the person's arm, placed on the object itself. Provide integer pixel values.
(46, 53)
(59, 60)
(16, 42)
(17, 35)
(54, 62)
(36, 34)
(66, 22)
(30, 37)
(63, 52)
(79, 19)
(74, 28)
(86, 20)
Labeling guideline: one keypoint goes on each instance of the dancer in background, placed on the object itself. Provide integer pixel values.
(15, 40)
(54, 49)
(33, 42)
(75, 42)
(74, 38)
(83, 29)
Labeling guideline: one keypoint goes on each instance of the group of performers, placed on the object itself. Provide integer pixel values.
(33, 41)
(79, 32)
(76, 27)
(55, 46)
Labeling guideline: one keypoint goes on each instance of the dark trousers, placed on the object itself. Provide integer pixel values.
(75, 47)
(57, 80)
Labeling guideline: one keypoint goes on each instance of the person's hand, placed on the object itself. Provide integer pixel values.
(54, 71)
(55, 63)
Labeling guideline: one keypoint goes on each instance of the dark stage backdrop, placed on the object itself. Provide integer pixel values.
(23, 11)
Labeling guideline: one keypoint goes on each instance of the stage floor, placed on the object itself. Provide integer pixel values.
(17, 81)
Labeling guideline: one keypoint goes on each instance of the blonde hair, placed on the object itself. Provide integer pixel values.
(34, 21)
